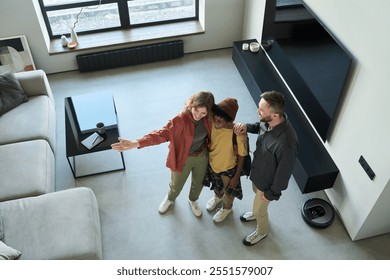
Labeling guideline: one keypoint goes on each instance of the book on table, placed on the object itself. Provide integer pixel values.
(92, 140)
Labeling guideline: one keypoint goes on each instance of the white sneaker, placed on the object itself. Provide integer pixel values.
(195, 208)
(247, 217)
(212, 203)
(253, 238)
(221, 215)
(164, 205)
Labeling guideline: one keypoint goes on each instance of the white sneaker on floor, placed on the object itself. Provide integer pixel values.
(164, 205)
(253, 238)
(212, 203)
(195, 208)
(247, 217)
(221, 215)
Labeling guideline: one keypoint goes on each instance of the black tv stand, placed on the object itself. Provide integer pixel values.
(314, 168)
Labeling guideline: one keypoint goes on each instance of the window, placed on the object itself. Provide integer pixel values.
(103, 15)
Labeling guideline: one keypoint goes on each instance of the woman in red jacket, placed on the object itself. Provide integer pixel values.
(188, 134)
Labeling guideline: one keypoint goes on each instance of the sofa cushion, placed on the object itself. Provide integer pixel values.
(33, 120)
(35, 83)
(26, 169)
(8, 253)
(11, 93)
(60, 225)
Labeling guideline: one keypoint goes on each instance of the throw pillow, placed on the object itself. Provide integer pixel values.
(8, 253)
(11, 93)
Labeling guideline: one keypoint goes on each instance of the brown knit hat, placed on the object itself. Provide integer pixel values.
(230, 106)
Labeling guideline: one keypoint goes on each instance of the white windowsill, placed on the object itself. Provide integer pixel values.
(122, 37)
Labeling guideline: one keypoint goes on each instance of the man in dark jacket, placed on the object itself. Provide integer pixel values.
(273, 160)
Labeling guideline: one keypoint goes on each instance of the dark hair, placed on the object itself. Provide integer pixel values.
(218, 111)
(275, 100)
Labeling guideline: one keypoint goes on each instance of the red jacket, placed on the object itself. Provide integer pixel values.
(180, 133)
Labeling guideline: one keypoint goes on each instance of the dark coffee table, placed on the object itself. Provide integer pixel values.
(82, 113)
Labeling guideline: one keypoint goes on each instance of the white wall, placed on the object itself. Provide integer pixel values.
(362, 126)
(18, 17)
(222, 28)
(253, 19)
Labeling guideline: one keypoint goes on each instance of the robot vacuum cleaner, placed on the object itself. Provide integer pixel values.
(317, 213)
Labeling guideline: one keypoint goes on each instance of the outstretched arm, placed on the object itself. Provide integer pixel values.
(124, 145)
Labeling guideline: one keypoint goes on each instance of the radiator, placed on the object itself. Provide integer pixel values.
(130, 56)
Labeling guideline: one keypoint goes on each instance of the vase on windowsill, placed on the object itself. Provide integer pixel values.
(73, 36)
(73, 39)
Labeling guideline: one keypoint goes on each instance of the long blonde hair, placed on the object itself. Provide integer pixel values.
(201, 99)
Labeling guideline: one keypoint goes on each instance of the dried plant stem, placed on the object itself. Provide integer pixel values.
(81, 10)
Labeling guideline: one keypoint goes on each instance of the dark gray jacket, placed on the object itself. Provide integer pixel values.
(274, 157)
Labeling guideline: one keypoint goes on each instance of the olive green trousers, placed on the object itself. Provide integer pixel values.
(196, 166)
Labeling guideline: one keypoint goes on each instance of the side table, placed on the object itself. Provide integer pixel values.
(97, 107)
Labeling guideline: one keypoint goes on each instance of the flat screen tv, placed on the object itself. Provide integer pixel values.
(322, 62)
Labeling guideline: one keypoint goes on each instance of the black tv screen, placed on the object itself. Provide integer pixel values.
(322, 62)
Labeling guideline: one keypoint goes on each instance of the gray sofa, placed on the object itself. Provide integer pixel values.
(28, 140)
(35, 221)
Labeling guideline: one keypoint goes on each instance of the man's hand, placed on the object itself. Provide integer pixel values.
(262, 197)
(239, 128)
(124, 145)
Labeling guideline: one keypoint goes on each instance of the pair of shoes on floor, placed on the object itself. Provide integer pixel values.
(164, 205)
(195, 208)
(221, 215)
(212, 203)
(253, 238)
(247, 217)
